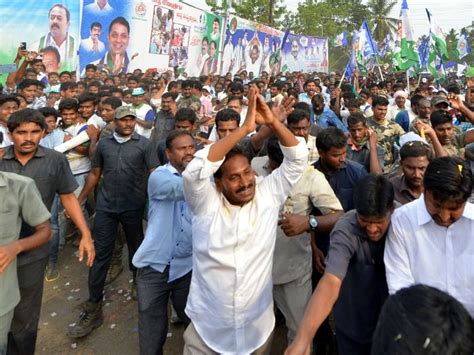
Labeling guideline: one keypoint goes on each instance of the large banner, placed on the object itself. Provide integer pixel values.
(252, 47)
(158, 34)
(49, 28)
(305, 53)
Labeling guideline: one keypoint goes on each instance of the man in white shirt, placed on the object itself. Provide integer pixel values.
(99, 7)
(432, 239)
(145, 113)
(93, 42)
(234, 228)
(58, 35)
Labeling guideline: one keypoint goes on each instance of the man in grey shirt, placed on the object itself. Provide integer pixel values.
(354, 279)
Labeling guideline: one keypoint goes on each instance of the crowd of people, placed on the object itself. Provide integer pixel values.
(342, 205)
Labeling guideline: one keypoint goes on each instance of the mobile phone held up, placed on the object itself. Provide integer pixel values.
(23, 46)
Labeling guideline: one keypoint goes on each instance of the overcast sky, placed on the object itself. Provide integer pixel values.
(448, 14)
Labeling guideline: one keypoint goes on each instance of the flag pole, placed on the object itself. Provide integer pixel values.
(342, 78)
(408, 81)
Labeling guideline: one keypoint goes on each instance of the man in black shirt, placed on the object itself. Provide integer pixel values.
(52, 175)
(124, 161)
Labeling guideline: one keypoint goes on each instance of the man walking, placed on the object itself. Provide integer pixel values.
(234, 228)
(123, 160)
(164, 258)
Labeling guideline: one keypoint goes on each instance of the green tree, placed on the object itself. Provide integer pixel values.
(378, 17)
(451, 44)
(270, 12)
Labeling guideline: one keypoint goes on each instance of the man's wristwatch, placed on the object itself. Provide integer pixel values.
(313, 223)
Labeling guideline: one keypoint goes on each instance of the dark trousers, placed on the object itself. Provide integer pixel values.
(105, 232)
(348, 346)
(24, 328)
(153, 292)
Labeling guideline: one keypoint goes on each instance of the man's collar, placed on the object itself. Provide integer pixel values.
(135, 136)
(171, 169)
(10, 153)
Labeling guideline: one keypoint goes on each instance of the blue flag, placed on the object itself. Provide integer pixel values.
(367, 44)
(424, 51)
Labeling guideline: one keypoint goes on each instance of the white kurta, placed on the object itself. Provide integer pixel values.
(230, 299)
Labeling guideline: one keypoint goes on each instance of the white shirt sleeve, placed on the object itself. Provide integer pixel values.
(396, 259)
(199, 190)
(279, 183)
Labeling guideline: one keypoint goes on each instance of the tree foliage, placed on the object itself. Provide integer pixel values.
(378, 17)
(254, 10)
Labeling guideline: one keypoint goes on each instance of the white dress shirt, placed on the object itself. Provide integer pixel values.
(419, 251)
(230, 300)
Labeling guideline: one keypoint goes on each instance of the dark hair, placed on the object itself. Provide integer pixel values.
(27, 115)
(317, 99)
(415, 149)
(309, 81)
(415, 99)
(120, 20)
(113, 101)
(187, 84)
(356, 118)
(236, 86)
(95, 24)
(68, 85)
(167, 95)
(422, 320)
(329, 138)
(133, 78)
(303, 106)
(27, 83)
(297, 116)
(195, 84)
(68, 104)
(68, 15)
(53, 50)
(448, 178)
(185, 114)
(453, 88)
(227, 114)
(64, 72)
(236, 150)
(88, 97)
(373, 196)
(95, 83)
(49, 111)
(175, 134)
(379, 101)
(8, 98)
(274, 150)
(91, 66)
(440, 117)
(352, 103)
(278, 85)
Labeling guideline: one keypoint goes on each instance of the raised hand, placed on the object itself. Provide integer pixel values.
(282, 110)
(265, 115)
(250, 123)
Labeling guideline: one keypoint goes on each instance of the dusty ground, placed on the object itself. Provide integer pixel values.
(118, 334)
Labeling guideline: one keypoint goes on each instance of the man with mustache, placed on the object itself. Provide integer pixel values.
(123, 160)
(414, 159)
(432, 238)
(58, 35)
(93, 43)
(164, 259)
(234, 227)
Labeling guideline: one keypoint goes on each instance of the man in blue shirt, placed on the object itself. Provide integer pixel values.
(164, 259)
(324, 116)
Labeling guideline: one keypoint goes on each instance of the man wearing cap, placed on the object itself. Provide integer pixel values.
(144, 113)
(123, 160)
(400, 99)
